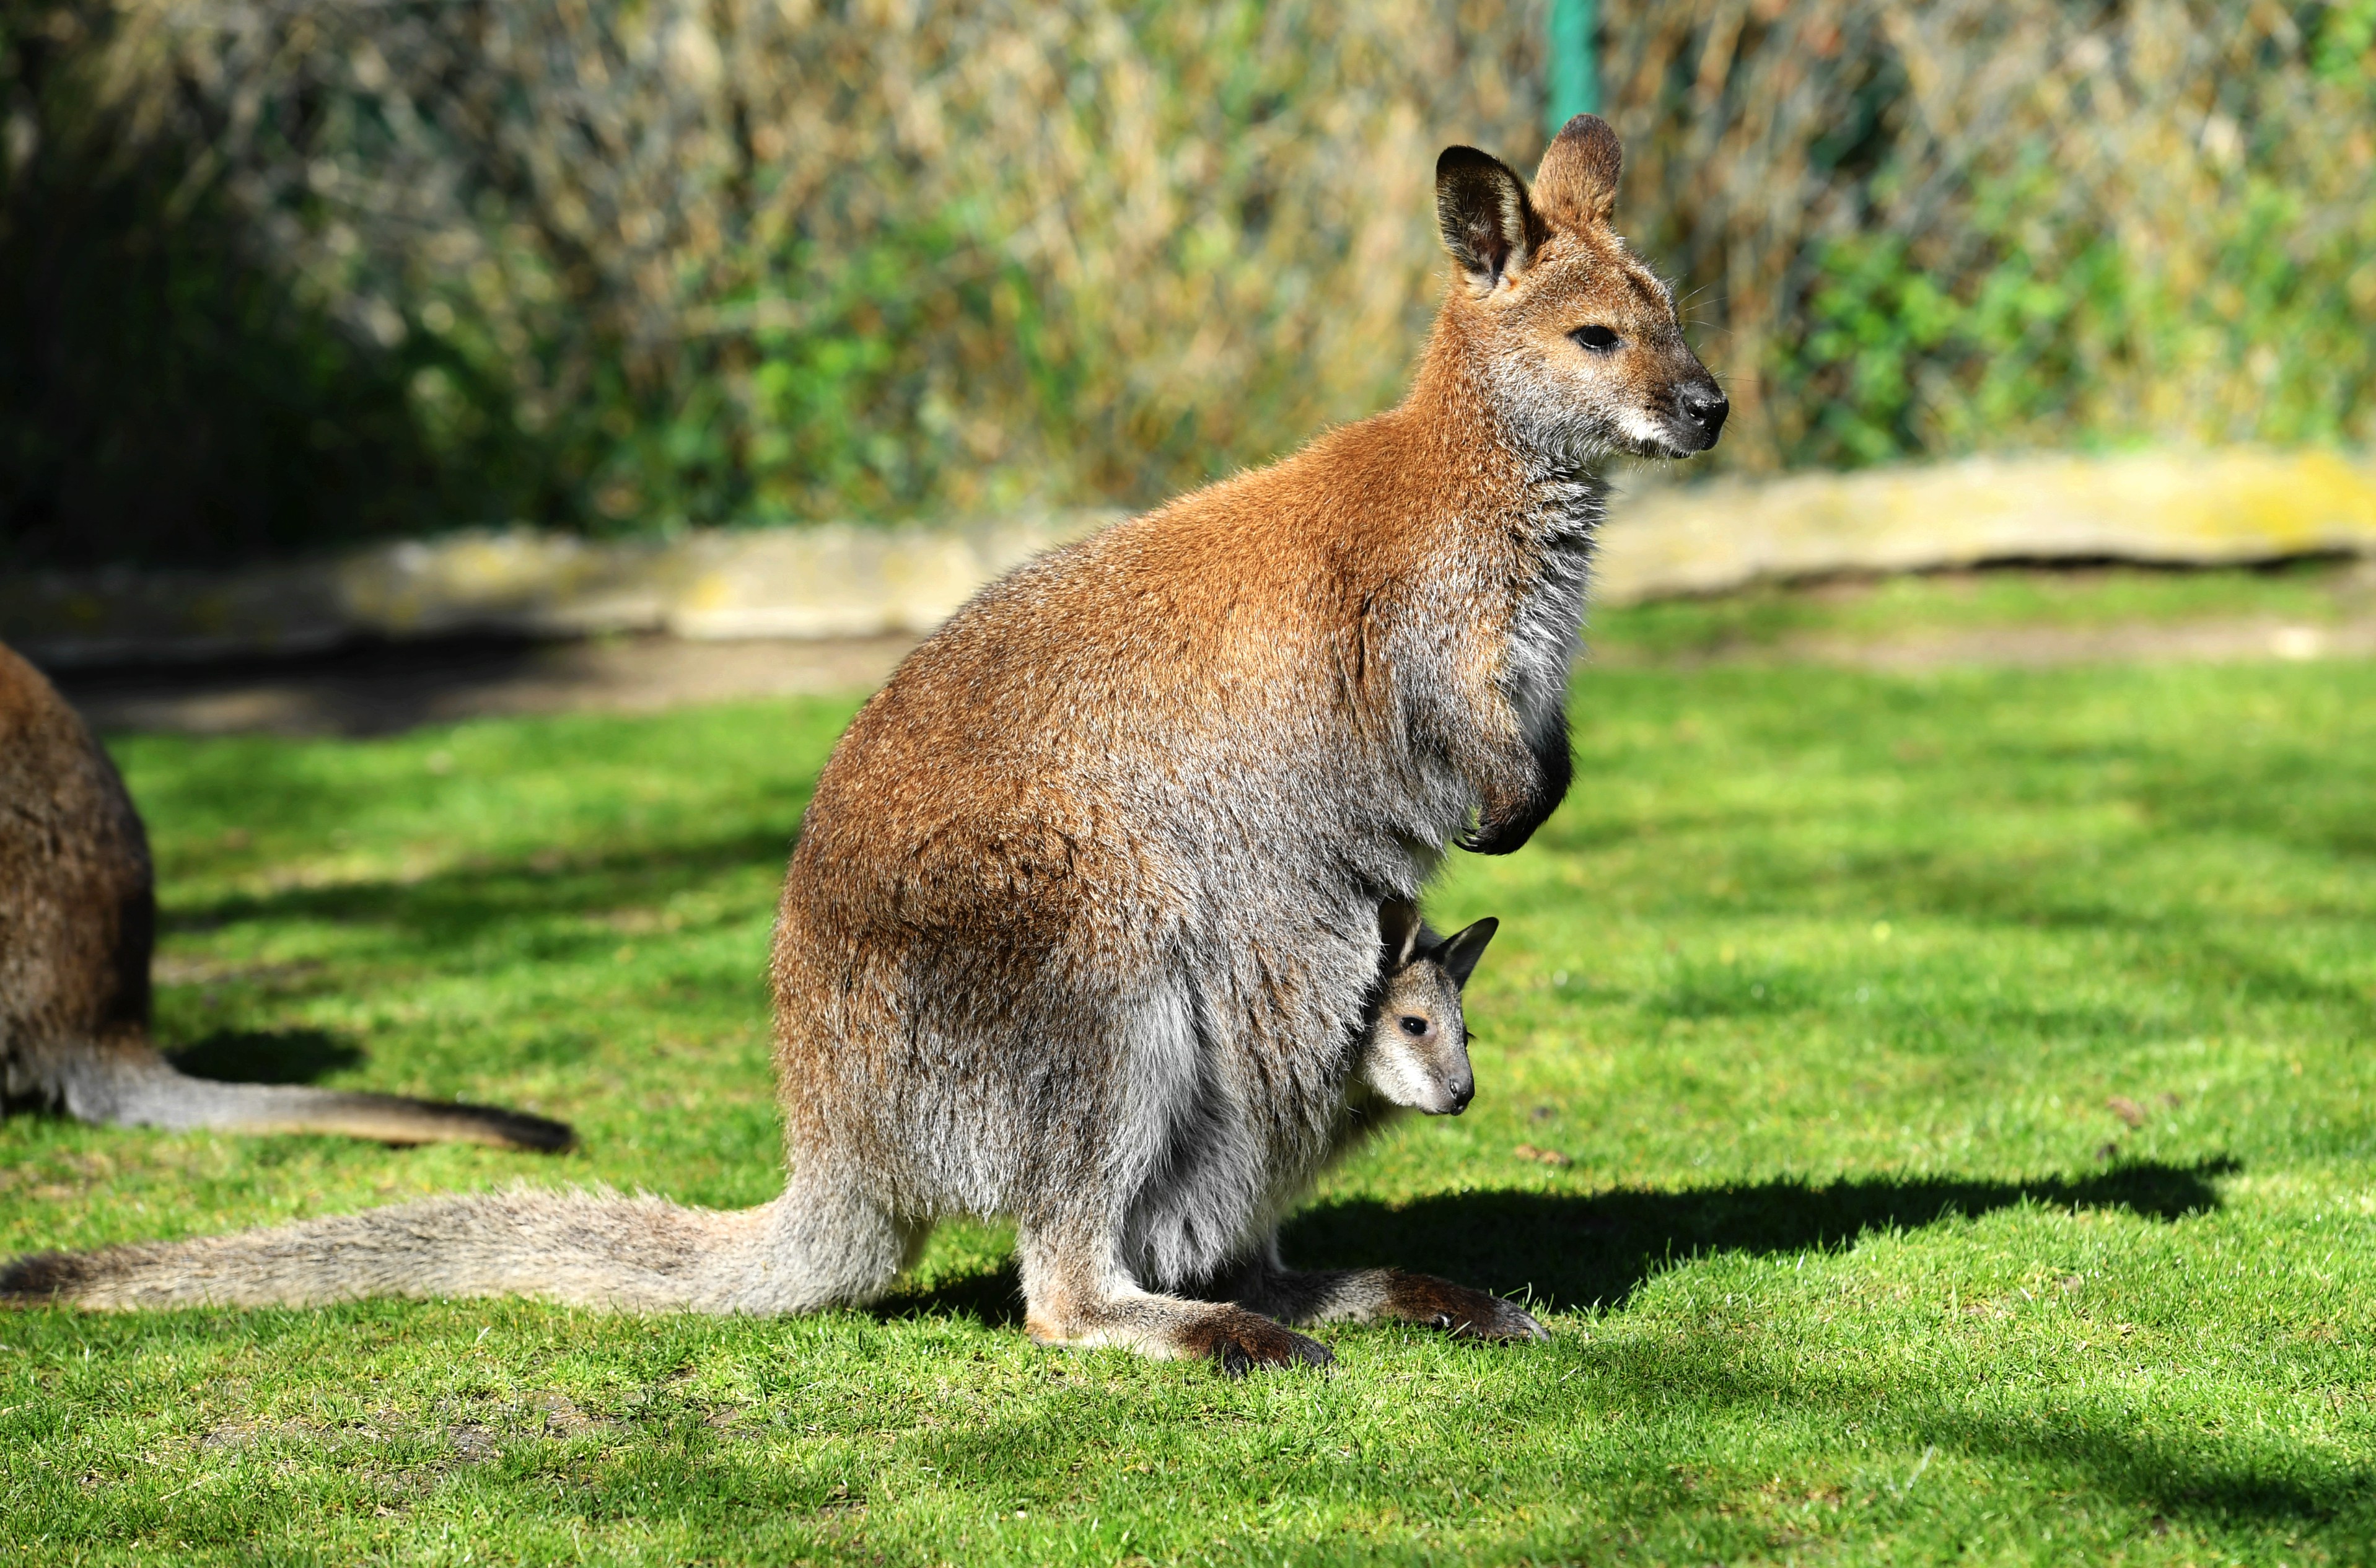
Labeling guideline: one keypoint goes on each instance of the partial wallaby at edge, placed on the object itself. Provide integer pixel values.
(77, 919)
(1081, 924)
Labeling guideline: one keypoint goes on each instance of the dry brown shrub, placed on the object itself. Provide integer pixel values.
(717, 260)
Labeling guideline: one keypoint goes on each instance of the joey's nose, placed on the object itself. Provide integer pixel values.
(1463, 1091)
(1706, 407)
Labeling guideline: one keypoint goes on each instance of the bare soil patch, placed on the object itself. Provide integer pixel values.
(384, 688)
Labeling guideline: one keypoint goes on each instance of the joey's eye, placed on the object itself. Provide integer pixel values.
(1413, 1024)
(1599, 339)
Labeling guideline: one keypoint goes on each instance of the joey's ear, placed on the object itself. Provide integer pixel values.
(1576, 186)
(1462, 950)
(1489, 225)
(1397, 931)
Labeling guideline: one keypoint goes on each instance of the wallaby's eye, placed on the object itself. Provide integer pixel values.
(1414, 1025)
(1597, 338)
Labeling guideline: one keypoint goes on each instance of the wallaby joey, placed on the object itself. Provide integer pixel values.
(77, 915)
(1081, 927)
(1416, 1050)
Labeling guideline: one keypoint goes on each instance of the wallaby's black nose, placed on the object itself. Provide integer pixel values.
(1462, 1093)
(1706, 407)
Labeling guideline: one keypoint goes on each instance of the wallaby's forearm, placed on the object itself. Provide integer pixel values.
(1520, 793)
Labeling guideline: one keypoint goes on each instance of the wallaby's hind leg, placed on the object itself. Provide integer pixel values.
(1077, 1292)
(1373, 1295)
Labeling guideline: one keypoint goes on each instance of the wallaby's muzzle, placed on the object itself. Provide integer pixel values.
(1703, 408)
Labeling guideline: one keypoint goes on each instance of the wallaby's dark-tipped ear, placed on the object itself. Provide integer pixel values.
(1397, 931)
(1489, 225)
(1577, 186)
(1464, 947)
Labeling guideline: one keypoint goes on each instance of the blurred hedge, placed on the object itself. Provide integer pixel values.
(284, 272)
(1932, 228)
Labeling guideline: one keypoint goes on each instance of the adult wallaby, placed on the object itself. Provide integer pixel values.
(1415, 1045)
(1083, 917)
(77, 916)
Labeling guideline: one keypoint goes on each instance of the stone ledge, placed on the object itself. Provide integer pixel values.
(2210, 508)
(838, 579)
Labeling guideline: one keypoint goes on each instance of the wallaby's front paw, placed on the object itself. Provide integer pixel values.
(1499, 837)
(1457, 1310)
(1241, 1341)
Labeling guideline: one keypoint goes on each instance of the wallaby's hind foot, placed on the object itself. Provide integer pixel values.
(1393, 1295)
(1169, 1328)
(1080, 1296)
(1379, 1295)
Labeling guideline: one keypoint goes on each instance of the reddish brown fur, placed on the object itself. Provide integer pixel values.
(77, 915)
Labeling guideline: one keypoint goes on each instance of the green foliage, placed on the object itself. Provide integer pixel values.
(634, 267)
(277, 272)
(160, 395)
(1961, 1084)
(2346, 50)
(2044, 345)
(1959, 227)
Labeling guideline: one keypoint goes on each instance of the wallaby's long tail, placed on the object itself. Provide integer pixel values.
(127, 1084)
(583, 1248)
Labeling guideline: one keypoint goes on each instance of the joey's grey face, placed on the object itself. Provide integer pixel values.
(1418, 1050)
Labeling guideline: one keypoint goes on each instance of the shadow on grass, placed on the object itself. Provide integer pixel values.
(2235, 1484)
(456, 907)
(1571, 1252)
(2103, 1447)
(993, 1299)
(266, 1056)
(370, 687)
(1581, 1250)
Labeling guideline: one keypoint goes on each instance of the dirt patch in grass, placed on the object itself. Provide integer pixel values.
(393, 687)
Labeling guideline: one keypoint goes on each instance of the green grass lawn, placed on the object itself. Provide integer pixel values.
(1957, 1095)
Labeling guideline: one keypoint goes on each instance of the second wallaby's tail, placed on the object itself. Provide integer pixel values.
(127, 1084)
(583, 1248)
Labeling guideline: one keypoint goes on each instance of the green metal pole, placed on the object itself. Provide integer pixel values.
(1575, 78)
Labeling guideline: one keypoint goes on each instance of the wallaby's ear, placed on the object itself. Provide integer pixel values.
(1464, 947)
(1397, 931)
(1576, 186)
(1489, 225)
